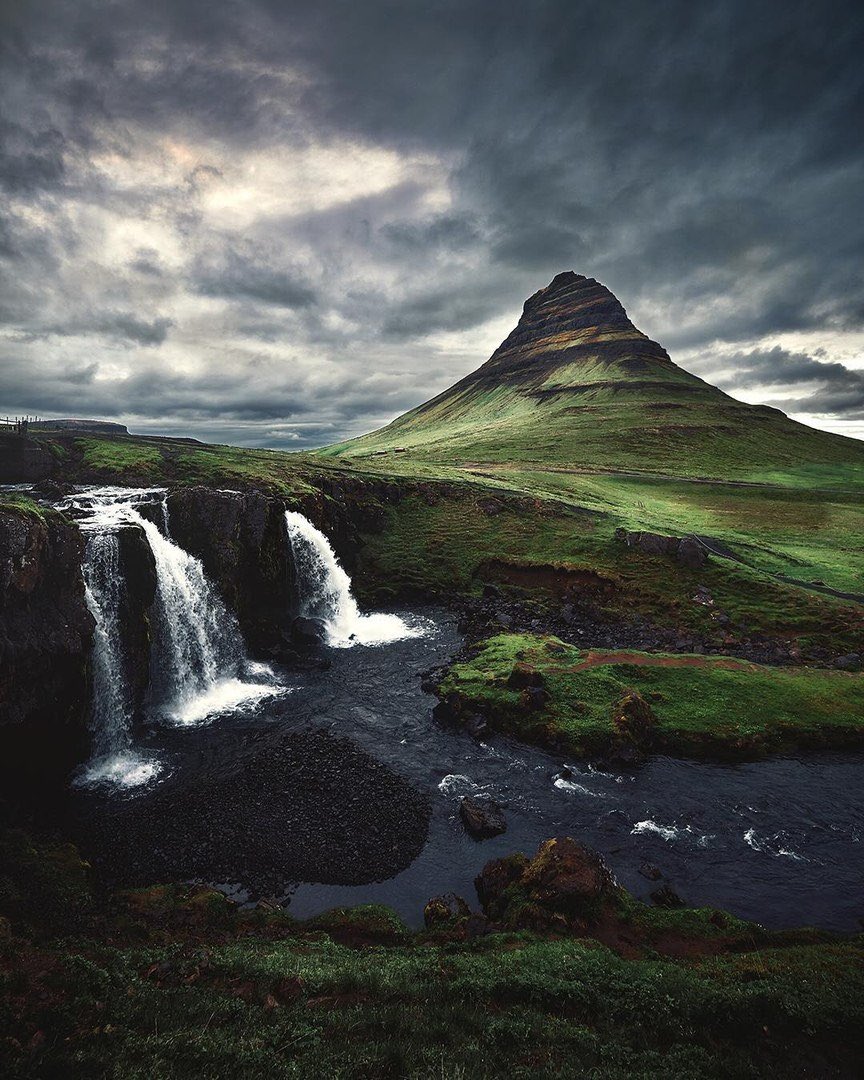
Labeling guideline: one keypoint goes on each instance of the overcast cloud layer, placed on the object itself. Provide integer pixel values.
(282, 224)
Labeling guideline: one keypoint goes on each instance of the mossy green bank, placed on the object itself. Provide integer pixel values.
(545, 691)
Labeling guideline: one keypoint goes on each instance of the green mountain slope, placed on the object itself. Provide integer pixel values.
(577, 385)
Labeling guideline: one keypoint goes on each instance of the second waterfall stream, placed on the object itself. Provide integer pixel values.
(325, 592)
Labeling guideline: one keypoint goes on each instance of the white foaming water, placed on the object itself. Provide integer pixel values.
(457, 784)
(564, 783)
(199, 665)
(672, 832)
(325, 593)
(771, 845)
(112, 760)
(668, 832)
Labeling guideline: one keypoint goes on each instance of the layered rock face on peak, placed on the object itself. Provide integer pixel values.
(573, 317)
(577, 384)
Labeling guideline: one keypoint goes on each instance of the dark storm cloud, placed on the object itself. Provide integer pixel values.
(813, 385)
(247, 275)
(29, 160)
(453, 308)
(703, 160)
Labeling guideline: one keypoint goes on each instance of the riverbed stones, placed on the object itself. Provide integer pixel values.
(482, 818)
(265, 809)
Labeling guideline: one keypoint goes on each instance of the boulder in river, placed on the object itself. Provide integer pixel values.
(308, 633)
(441, 910)
(566, 885)
(482, 818)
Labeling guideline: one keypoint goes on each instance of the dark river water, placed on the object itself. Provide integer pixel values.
(776, 841)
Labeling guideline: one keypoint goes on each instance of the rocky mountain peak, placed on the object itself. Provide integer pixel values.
(574, 317)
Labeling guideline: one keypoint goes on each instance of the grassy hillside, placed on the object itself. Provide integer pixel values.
(579, 407)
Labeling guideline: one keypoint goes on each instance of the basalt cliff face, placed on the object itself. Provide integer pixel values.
(240, 538)
(45, 637)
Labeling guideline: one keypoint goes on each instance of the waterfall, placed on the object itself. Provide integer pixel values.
(325, 592)
(112, 757)
(198, 664)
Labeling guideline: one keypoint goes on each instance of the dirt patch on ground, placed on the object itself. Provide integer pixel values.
(596, 658)
(557, 580)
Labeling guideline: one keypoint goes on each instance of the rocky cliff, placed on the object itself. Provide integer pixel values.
(45, 636)
(241, 540)
(24, 460)
(138, 570)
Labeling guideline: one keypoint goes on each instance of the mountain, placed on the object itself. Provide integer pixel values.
(576, 384)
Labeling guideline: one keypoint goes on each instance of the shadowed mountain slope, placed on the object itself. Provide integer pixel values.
(577, 385)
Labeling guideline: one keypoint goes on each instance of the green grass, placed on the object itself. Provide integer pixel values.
(131, 459)
(437, 538)
(599, 418)
(509, 1006)
(806, 523)
(578, 406)
(116, 456)
(23, 505)
(444, 544)
(719, 706)
(793, 529)
(176, 982)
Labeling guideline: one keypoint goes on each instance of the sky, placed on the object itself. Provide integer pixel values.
(282, 224)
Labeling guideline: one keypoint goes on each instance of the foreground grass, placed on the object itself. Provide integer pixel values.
(695, 705)
(508, 1005)
(175, 982)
